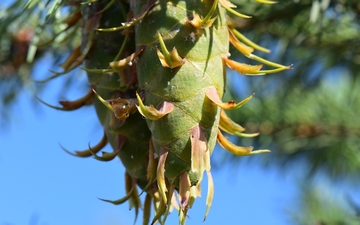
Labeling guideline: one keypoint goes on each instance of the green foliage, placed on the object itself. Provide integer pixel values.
(27, 29)
(318, 204)
(309, 113)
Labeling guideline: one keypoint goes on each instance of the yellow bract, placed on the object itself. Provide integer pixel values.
(212, 94)
(237, 150)
(243, 68)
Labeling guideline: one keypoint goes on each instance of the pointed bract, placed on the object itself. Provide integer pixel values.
(123, 63)
(167, 59)
(151, 113)
(184, 190)
(213, 95)
(199, 152)
(161, 173)
(87, 153)
(237, 150)
(210, 194)
(243, 68)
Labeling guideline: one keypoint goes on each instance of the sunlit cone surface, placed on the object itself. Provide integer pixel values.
(157, 81)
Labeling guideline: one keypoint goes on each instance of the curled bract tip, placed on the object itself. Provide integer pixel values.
(130, 188)
(87, 153)
(123, 63)
(213, 95)
(150, 112)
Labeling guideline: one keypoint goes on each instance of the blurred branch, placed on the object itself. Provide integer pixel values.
(23, 31)
(308, 114)
(318, 205)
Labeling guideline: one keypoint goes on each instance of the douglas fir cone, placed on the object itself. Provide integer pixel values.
(157, 72)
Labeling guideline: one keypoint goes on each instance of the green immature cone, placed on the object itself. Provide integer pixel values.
(181, 77)
(158, 80)
(156, 71)
(185, 137)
